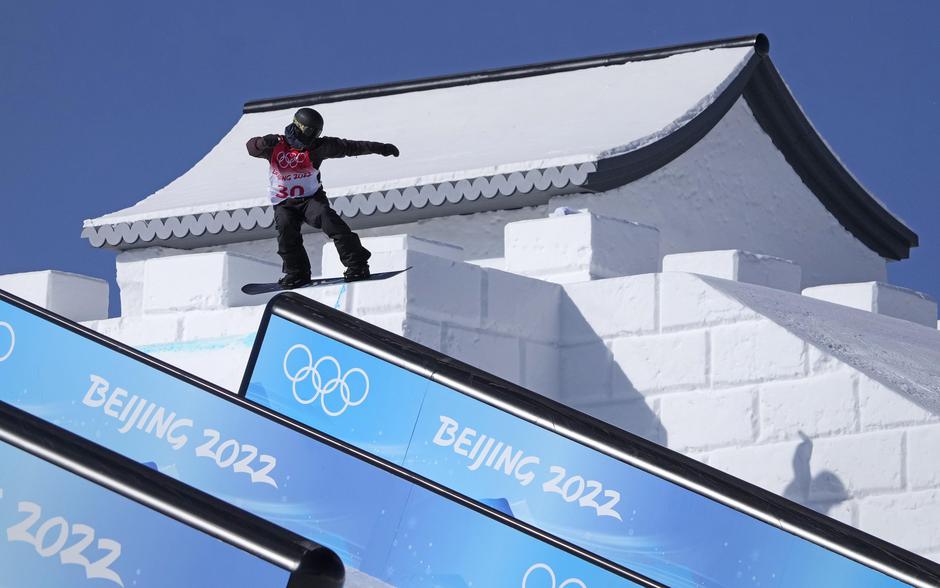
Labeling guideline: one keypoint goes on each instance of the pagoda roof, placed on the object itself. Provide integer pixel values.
(506, 138)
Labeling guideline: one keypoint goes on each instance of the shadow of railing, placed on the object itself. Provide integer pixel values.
(820, 492)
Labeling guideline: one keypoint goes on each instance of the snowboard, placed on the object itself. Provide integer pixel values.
(268, 287)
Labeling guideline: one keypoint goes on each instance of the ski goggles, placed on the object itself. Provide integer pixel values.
(304, 130)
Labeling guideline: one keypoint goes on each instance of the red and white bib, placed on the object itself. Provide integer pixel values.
(291, 174)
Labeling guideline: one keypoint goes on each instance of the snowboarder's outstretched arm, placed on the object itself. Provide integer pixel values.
(262, 146)
(322, 148)
(334, 147)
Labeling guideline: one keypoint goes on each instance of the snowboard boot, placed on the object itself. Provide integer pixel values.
(291, 281)
(357, 272)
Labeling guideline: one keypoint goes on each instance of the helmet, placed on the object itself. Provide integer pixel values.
(309, 123)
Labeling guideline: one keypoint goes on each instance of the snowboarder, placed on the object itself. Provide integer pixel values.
(294, 160)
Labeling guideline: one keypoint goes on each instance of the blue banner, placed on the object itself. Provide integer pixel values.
(617, 511)
(378, 522)
(59, 531)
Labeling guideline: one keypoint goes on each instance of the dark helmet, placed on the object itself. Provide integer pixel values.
(309, 123)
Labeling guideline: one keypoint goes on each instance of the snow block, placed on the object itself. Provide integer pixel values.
(229, 322)
(138, 331)
(585, 373)
(130, 276)
(202, 281)
(130, 280)
(922, 470)
(654, 363)
(392, 322)
(580, 247)
(519, 306)
(634, 415)
(755, 351)
(908, 519)
(768, 466)
(608, 308)
(74, 296)
(222, 363)
(496, 354)
(443, 287)
(388, 253)
(540, 368)
(881, 407)
(740, 266)
(426, 333)
(709, 419)
(850, 458)
(687, 301)
(434, 289)
(818, 406)
(880, 298)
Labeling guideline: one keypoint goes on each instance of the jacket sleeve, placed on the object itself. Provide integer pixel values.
(333, 148)
(257, 148)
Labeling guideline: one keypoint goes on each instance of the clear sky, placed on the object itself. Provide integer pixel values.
(103, 103)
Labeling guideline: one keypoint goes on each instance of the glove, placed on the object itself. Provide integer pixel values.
(389, 149)
(271, 140)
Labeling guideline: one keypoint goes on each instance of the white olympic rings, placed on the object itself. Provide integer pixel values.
(290, 160)
(551, 574)
(324, 387)
(7, 355)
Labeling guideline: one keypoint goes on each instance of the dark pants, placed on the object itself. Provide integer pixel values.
(289, 217)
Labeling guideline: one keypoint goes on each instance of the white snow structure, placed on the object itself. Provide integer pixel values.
(693, 203)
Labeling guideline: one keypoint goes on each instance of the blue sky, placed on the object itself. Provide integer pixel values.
(102, 103)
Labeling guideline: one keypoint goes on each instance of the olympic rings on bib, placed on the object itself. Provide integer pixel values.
(326, 376)
(291, 160)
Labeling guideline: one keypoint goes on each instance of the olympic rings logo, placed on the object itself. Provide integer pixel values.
(288, 159)
(7, 355)
(323, 385)
(551, 574)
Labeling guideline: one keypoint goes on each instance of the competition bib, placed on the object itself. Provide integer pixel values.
(291, 174)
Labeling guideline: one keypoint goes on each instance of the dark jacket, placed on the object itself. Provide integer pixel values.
(322, 148)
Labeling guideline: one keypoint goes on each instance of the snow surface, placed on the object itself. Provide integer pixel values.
(466, 131)
(899, 354)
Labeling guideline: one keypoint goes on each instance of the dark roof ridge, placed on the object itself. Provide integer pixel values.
(780, 115)
(759, 41)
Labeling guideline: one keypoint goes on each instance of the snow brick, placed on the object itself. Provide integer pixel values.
(580, 247)
(740, 266)
(880, 298)
(74, 296)
(202, 281)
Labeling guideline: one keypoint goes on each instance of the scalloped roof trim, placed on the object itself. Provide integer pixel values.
(350, 206)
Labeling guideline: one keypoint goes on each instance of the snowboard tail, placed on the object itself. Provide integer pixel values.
(268, 287)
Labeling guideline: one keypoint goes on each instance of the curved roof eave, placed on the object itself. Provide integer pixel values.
(781, 117)
(758, 82)
(854, 207)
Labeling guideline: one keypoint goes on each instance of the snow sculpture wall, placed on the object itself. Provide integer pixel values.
(688, 361)
(740, 392)
(719, 369)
